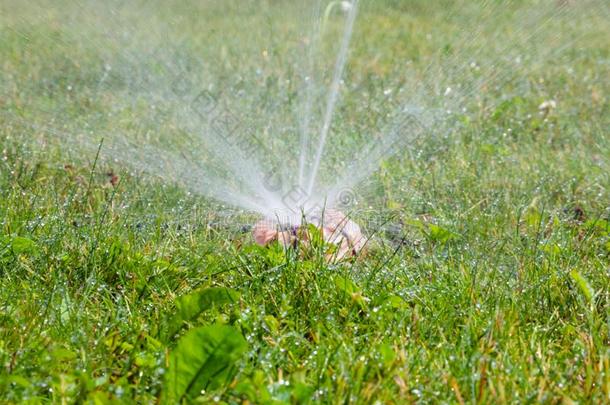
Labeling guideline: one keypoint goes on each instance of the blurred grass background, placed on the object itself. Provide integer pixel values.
(488, 281)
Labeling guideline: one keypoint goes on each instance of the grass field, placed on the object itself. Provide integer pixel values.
(490, 282)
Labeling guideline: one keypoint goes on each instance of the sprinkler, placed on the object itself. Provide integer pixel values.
(335, 228)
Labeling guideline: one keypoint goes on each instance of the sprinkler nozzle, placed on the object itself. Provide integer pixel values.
(335, 228)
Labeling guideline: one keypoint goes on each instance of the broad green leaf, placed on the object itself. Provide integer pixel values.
(190, 306)
(583, 284)
(204, 359)
(346, 285)
(440, 234)
(20, 381)
(61, 354)
(386, 354)
(390, 302)
(21, 245)
(351, 290)
(272, 323)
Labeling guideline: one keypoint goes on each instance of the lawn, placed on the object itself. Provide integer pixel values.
(487, 275)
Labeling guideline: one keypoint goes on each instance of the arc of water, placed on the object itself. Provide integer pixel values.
(315, 38)
(190, 173)
(333, 93)
(246, 169)
(419, 123)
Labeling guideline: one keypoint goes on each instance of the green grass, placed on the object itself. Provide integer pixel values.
(490, 286)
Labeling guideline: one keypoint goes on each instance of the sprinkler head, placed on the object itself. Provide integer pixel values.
(336, 230)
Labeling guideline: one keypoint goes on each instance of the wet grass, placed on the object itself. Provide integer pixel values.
(487, 283)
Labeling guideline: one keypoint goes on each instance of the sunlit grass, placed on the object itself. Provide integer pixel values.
(486, 279)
